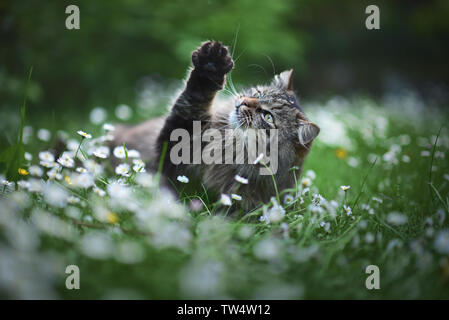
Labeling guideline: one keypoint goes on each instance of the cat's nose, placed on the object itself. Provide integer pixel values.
(249, 102)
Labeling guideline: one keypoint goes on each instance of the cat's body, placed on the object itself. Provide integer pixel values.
(264, 107)
(142, 137)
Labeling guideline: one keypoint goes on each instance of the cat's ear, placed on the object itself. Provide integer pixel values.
(285, 80)
(307, 131)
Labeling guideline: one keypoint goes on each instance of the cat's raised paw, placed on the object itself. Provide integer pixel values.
(212, 58)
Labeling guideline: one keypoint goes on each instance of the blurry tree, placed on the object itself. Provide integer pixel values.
(122, 41)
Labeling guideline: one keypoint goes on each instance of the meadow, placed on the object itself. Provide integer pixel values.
(374, 191)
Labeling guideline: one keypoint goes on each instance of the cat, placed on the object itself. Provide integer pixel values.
(271, 106)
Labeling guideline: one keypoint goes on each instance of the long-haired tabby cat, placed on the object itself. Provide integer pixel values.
(272, 106)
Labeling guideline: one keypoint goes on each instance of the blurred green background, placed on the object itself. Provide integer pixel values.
(126, 46)
(122, 44)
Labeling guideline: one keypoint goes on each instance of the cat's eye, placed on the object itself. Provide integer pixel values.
(268, 117)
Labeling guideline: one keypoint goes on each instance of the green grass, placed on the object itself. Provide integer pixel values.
(207, 254)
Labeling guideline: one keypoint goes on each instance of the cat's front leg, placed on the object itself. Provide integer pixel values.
(211, 63)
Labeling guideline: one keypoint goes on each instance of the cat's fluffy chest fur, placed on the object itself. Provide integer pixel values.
(265, 107)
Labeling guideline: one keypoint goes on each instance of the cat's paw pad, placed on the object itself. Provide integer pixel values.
(213, 58)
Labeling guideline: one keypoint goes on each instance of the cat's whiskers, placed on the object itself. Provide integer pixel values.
(259, 66)
(228, 93)
(272, 64)
(231, 85)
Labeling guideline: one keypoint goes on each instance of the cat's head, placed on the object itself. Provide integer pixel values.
(275, 106)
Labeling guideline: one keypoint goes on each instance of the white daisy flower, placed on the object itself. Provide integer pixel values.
(396, 218)
(145, 180)
(84, 134)
(35, 185)
(53, 174)
(245, 232)
(93, 167)
(28, 156)
(333, 204)
(107, 137)
(49, 165)
(288, 199)
(73, 200)
(306, 182)
(236, 197)
(101, 152)
(390, 157)
(97, 115)
(139, 165)
(133, 153)
(225, 200)
(122, 169)
(108, 127)
(311, 174)
(347, 209)
(81, 170)
(267, 249)
(99, 192)
(44, 135)
(23, 184)
(241, 179)
(345, 188)
(119, 152)
(36, 171)
(317, 199)
(369, 238)
(66, 161)
(275, 214)
(441, 242)
(46, 156)
(183, 179)
(84, 180)
(123, 112)
(138, 161)
(9, 184)
(405, 158)
(118, 190)
(316, 208)
(353, 162)
(55, 195)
